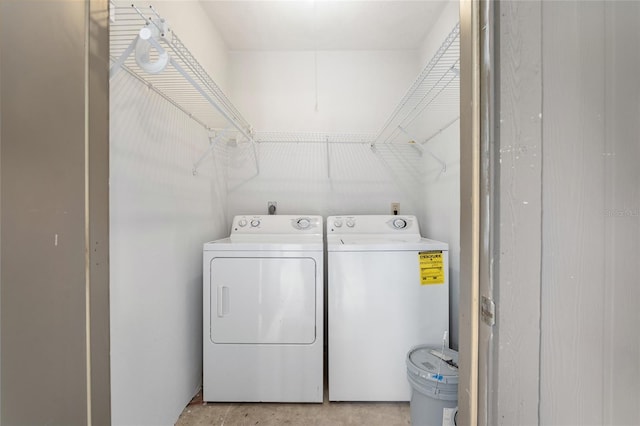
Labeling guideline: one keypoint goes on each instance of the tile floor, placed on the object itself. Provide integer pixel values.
(266, 414)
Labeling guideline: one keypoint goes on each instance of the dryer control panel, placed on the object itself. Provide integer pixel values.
(273, 226)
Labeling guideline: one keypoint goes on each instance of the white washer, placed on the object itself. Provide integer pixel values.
(263, 311)
(388, 291)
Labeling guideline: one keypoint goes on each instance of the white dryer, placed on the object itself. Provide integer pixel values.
(263, 311)
(388, 291)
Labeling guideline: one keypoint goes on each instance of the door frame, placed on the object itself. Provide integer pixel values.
(469, 211)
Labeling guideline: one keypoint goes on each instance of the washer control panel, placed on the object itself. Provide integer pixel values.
(372, 224)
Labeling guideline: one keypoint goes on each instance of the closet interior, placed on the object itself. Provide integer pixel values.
(202, 131)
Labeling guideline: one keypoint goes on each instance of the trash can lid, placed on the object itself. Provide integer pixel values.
(429, 363)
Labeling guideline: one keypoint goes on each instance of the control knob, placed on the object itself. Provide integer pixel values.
(303, 223)
(255, 223)
(242, 222)
(399, 223)
(351, 223)
(337, 223)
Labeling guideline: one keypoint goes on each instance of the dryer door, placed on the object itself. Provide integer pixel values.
(263, 300)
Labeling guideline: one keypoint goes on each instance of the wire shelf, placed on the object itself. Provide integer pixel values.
(438, 85)
(183, 81)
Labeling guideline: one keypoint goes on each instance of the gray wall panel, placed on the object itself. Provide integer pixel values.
(515, 340)
(42, 276)
(98, 181)
(622, 214)
(589, 357)
(573, 268)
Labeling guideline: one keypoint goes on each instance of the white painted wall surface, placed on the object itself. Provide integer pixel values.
(449, 17)
(440, 211)
(160, 215)
(356, 91)
(440, 190)
(299, 179)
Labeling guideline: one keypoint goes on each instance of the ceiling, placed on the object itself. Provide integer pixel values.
(323, 24)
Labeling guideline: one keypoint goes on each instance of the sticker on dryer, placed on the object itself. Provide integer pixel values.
(431, 267)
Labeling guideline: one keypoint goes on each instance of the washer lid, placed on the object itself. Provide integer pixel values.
(379, 239)
(430, 364)
(357, 243)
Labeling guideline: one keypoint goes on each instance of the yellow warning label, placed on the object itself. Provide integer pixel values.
(431, 267)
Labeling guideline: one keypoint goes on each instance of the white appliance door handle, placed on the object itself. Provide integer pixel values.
(223, 301)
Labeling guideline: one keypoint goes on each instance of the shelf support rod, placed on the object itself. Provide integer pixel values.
(445, 127)
(212, 143)
(328, 159)
(117, 66)
(422, 149)
(255, 156)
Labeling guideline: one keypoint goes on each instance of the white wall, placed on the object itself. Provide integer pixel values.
(298, 177)
(356, 91)
(440, 211)
(440, 192)
(160, 215)
(449, 16)
(190, 22)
